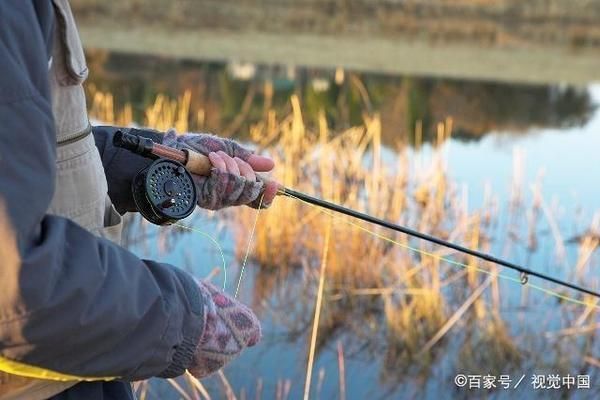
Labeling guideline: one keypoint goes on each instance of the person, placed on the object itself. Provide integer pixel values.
(80, 316)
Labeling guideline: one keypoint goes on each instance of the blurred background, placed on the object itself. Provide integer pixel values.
(475, 121)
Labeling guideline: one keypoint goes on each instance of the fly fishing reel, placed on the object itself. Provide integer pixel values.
(164, 192)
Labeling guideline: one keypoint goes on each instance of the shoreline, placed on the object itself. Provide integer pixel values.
(536, 65)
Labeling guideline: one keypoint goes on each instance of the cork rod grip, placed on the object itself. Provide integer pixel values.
(198, 163)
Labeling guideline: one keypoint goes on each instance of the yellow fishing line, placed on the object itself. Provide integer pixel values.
(212, 239)
(249, 245)
(450, 261)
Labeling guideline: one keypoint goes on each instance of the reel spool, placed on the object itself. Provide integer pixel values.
(164, 192)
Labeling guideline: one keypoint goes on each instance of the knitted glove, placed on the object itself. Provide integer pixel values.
(230, 327)
(220, 189)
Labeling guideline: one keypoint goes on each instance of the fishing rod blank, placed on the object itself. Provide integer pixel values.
(411, 232)
(200, 164)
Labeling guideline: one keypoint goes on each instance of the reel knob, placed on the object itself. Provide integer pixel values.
(164, 192)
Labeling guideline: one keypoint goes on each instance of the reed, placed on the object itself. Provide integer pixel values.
(405, 306)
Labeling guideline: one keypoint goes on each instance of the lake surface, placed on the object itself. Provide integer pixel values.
(552, 134)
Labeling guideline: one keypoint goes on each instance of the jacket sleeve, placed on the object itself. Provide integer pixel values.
(120, 165)
(71, 303)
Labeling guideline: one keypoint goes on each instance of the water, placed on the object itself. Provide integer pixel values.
(554, 130)
(561, 155)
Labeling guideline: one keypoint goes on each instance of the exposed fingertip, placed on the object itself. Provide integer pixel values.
(217, 161)
(254, 339)
(261, 163)
(269, 193)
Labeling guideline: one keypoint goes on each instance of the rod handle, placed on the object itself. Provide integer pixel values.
(200, 164)
(197, 163)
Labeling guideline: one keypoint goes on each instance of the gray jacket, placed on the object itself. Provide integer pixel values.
(72, 302)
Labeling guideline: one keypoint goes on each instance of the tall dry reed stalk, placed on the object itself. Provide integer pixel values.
(403, 303)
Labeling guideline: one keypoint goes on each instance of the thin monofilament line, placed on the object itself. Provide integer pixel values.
(450, 261)
(436, 240)
(250, 239)
(212, 239)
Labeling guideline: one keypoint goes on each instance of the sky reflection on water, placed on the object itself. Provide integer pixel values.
(568, 157)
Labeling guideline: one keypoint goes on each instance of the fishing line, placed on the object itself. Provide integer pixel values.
(216, 243)
(450, 261)
(525, 272)
(249, 245)
(164, 189)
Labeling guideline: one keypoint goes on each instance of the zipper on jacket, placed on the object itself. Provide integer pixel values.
(76, 137)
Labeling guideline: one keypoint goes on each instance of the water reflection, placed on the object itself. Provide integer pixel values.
(406, 320)
(230, 98)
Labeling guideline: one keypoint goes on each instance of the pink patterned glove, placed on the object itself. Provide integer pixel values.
(230, 327)
(226, 186)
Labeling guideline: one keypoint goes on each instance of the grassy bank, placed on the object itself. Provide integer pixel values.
(571, 23)
(540, 64)
(506, 40)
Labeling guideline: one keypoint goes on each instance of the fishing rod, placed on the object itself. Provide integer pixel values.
(157, 199)
(411, 232)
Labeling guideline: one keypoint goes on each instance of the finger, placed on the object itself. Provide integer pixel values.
(245, 169)
(232, 166)
(252, 190)
(261, 163)
(270, 192)
(209, 286)
(254, 339)
(217, 162)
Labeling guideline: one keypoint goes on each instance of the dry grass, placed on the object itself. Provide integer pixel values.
(483, 22)
(402, 304)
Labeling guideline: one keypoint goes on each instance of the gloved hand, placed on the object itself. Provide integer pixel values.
(230, 327)
(233, 179)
